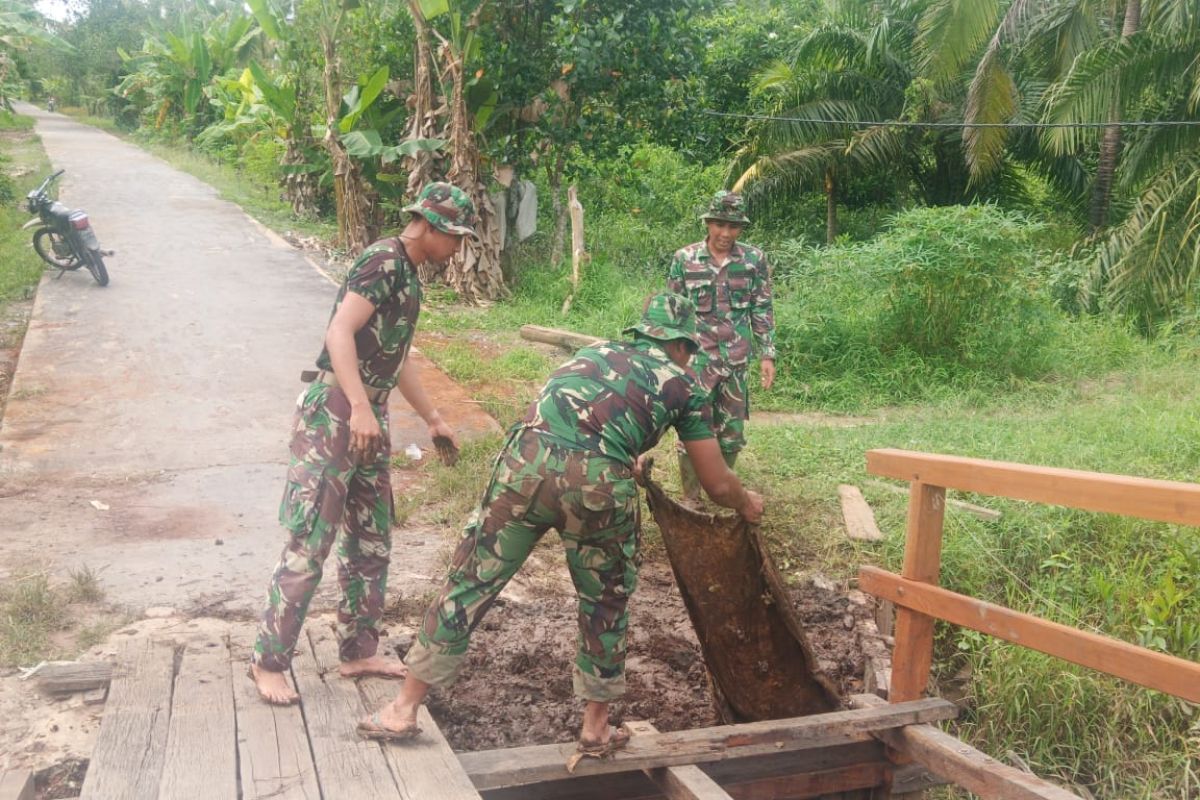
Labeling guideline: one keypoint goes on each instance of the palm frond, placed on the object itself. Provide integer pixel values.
(992, 98)
(952, 33)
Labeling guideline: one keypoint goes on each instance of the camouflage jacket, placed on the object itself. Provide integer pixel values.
(733, 302)
(616, 399)
(383, 275)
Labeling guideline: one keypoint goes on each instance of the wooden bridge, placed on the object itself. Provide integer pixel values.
(187, 723)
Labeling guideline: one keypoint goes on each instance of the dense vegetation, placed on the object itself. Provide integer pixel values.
(1021, 293)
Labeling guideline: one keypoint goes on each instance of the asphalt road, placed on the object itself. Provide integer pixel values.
(146, 432)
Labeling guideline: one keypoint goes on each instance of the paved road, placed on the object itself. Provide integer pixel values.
(166, 396)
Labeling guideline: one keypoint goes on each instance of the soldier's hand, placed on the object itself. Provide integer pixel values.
(767, 371)
(444, 441)
(366, 437)
(640, 467)
(752, 509)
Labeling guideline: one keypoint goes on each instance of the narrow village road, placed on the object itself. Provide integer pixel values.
(145, 436)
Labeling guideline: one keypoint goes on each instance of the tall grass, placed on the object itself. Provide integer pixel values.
(23, 165)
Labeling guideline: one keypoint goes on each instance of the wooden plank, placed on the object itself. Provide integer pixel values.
(65, 677)
(988, 514)
(1166, 501)
(16, 785)
(567, 339)
(1148, 668)
(813, 784)
(425, 766)
(348, 766)
(913, 654)
(273, 753)
(524, 765)
(128, 758)
(962, 764)
(679, 783)
(201, 759)
(857, 513)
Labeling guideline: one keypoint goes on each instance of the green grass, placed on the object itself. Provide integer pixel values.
(23, 161)
(40, 621)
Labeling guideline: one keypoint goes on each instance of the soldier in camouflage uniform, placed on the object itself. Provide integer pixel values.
(338, 490)
(730, 284)
(571, 465)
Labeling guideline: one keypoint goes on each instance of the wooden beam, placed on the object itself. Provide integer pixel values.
(679, 783)
(16, 785)
(274, 758)
(913, 654)
(73, 676)
(566, 339)
(1147, 668)
(1166, 501)
(857, 514)
(962, 764)
(127, 761)
(524, 765)
(202, 748)
(813, 784)
(426, 766)
(988, 514)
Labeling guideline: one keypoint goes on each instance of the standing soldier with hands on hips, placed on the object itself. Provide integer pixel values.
(730, 285)
(338, 485)
(572, 465)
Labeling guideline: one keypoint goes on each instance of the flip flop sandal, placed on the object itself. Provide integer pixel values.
(617, 739)
(373, 728)
(446, 450)
(269, 701)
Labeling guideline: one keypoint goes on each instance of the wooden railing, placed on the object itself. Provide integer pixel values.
(919, 601)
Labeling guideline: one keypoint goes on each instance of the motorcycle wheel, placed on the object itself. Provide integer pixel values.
(54, 249)
(96, 267)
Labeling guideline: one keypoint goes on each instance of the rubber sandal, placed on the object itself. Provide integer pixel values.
(373, 728)
(617, 739)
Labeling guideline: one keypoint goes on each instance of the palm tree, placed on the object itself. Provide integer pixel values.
(849, 70)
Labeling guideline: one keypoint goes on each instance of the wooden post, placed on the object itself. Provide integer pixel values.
(913, 655)
(578, 253)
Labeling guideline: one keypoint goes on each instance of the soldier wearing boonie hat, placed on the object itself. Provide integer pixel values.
(338, 478)
(572, 464)
(730, 284)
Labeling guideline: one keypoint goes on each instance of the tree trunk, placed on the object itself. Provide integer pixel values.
(475, 272)
(558, 243)
(1110, 140)
(353, 207)
(300, 188)
(831, 219)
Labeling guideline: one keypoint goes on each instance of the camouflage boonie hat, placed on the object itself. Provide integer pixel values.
(447, 208)
(727, 206)
(668, 317)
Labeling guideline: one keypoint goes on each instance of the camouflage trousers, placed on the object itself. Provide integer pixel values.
(328, 499)
(536, 485)
(728, 388)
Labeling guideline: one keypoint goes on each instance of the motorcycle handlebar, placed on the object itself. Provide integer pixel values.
(48, 180)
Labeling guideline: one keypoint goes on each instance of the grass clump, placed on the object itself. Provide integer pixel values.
(38, 618)
(23, 165)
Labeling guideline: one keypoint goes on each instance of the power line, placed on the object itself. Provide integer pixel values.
(1164, 123)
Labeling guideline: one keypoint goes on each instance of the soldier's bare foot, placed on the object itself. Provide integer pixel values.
(273, 687)
(390, 723)
(377, 666)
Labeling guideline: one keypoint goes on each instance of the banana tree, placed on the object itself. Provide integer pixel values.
(19, 32)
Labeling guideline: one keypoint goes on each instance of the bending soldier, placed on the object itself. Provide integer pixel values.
(571, 465)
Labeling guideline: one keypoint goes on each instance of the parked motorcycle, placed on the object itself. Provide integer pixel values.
(66, 239)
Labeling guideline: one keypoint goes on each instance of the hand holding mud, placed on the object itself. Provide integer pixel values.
(751, 509)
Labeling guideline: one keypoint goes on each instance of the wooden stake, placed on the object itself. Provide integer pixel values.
(578, 253)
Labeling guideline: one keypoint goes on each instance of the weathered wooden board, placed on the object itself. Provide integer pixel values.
(565, 339)
(127, 761)
(348, 766)
(425, 766)
(679, 783)
(525, 765)
(73, 676)
(962, 764)
(201, 758)
(16, 785)
(274, 758)
(858, 516)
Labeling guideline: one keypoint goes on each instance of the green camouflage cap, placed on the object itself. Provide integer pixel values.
(727, 206)
(447, 208)
(668, 317)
